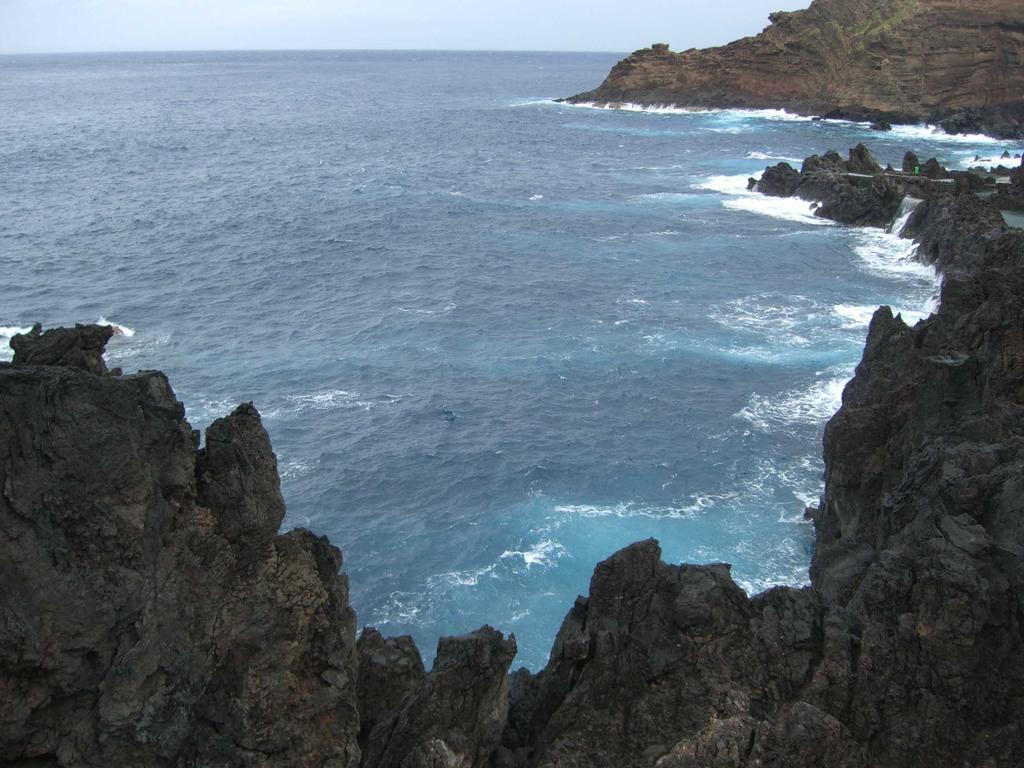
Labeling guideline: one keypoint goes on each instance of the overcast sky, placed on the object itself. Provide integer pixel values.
(33, 26)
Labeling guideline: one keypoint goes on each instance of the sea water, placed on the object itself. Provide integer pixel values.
(493, 338)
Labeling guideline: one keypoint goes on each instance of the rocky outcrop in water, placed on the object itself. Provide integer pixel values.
(879, 61)
(150, 613)
(858, 191)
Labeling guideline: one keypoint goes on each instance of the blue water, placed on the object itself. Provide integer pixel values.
(493, 338)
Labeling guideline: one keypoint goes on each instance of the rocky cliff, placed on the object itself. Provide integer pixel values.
(906, 60)
(150, 613)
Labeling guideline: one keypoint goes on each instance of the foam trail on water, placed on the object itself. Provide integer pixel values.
(935, 133)
(119, 330)
(768, 156)
(811, 405)
(787, 208)
(671, 109)
(625, 510)
(544, 554)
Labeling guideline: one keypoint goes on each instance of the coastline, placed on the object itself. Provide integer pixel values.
(970, 128)
(857, 60)
(903, 651)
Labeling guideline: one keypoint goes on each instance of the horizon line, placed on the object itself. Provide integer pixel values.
(302, 50)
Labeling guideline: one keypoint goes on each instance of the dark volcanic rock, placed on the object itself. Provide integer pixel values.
(779, 181)
(149, 617)
(1005, 121)
(867, 60)
(656, 658)
(873, 205)
(862, 161)
(78, 347)
(911, 163)
(455, 715)
(857, 191)
(389, 671)
(932, 170)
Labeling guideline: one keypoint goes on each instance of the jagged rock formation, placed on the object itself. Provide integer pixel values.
(857, 191)
(150, 613)
(455, 716)
(390, 669)
(879, 60)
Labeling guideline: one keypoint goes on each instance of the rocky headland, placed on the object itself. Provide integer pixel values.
(958, 64)
(152, 614)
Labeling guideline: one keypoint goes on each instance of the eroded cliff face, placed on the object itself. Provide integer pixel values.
(911, 58)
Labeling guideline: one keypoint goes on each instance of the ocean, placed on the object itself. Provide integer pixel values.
(493, 338)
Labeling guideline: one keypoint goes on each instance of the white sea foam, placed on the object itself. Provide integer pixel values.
(330, 399)
(812, 405)
(671, 109)
(7, 332)
(859, 315)
(935, 133)
(628, 509)
(777, 158)
(855, 315)
(734, 184)
(805, 479)
(119, 330)
(536, 197)
(787, 208)
(779, 319)
(290, 469)
(794, 575)
(544, 553)
(889, 255)
(400, 608)
(664, 197)
(467, 578)
(742, 199)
